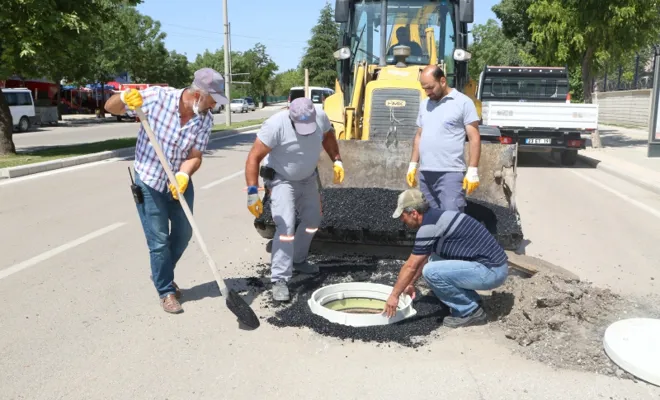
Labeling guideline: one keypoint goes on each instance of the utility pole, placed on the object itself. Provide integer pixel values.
(227, 65)
(307, 94)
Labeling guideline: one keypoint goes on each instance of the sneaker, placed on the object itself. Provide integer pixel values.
(306, 268)
(478, 317)
(280, 291)
(170, 304)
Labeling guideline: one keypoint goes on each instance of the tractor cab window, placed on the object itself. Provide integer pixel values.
(426, 27)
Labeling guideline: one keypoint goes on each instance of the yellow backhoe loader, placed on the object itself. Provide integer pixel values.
(384, 46)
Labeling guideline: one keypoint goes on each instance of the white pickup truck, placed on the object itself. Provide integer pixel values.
(531, 106)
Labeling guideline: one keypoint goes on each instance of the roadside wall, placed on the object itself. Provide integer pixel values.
(629, 108)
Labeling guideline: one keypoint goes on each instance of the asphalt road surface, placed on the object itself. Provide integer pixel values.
(94, 132)
(81, 319)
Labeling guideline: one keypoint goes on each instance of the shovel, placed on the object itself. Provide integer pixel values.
(234, 301)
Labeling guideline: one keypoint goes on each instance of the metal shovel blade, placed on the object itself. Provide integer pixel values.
(242, 310)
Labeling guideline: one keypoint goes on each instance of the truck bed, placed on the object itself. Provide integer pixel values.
(540, 115)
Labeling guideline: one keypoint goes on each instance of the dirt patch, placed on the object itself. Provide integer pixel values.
(561, 321)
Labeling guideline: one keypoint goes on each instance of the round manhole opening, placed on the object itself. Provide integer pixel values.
(358, 304)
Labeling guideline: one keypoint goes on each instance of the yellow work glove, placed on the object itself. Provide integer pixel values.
(338, 169)
(132, 98)
(182, 180)
(471, 180)
(411, 177)
(254, 202)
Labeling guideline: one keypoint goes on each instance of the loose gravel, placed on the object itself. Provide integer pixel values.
(356, 214)
(561, 322)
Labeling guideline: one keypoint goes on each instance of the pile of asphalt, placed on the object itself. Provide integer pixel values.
(296, 313)
(353, 214)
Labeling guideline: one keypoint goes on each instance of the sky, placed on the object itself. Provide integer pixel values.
(193, 26)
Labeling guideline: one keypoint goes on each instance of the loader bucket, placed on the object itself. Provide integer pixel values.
(358, 212)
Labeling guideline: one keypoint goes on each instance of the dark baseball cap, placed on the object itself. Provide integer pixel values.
(303, 115)
(211, 82)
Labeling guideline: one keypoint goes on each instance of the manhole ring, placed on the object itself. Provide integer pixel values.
(358, 304)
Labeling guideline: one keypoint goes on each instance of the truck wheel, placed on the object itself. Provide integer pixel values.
(24, 124)
(569, 157)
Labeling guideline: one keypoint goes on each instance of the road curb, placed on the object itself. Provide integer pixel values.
(30, 169)
(631, 178)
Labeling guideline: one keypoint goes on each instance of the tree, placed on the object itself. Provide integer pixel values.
(587, 33)
(318, 58)
(260, 68)
(284, 81)
(177, 71)
(492, 47)
(515, 20)
(46, 39)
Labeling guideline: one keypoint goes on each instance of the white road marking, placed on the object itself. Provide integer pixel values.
(59, 171)
(225, 179)
(53, 252)
(620, 195)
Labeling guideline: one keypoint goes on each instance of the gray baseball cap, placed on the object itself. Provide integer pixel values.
(303, 115)
(408, 198)
(211, 82)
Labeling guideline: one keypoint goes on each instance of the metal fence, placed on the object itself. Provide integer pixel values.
(275, 99)
(633, 74)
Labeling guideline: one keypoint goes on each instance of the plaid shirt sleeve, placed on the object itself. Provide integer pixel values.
(150, 97)
(202, 140)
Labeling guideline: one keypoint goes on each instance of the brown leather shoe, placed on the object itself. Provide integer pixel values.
(170, 304)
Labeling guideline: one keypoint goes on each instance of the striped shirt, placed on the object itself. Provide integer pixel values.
(457, 236)
(161, 105)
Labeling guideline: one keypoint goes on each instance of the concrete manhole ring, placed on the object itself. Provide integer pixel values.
(358, 304)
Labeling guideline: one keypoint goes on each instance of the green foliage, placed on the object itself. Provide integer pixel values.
(284, 81)
(492, 47)
(318, 58)
(589, 33)
(260, 67)
(515, 20)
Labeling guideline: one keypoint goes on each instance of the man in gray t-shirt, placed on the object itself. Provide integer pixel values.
(292, 141)
(444, 119)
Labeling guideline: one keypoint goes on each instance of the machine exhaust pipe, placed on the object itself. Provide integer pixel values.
(383, 32)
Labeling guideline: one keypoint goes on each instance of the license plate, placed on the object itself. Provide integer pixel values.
(538, 141)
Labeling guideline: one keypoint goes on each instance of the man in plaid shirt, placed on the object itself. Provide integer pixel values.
(181, 120)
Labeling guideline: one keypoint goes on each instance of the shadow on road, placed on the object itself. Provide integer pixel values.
(546, 160)
(232, 143)
(613, 138)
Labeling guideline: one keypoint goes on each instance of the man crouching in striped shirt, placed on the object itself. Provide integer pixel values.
(182, 121)
(462, 257)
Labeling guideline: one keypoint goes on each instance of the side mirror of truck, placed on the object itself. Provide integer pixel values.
(465, 11)
(342, 8)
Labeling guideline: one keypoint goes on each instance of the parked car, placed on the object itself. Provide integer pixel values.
(251, 105)
(21, 106)
(239, 105)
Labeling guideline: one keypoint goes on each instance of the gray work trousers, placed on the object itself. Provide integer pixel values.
(291, 245)
(443, 190)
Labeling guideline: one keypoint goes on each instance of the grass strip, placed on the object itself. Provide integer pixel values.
(57, 152)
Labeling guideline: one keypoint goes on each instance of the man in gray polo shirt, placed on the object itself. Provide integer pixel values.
(292, 139)
(444, 119)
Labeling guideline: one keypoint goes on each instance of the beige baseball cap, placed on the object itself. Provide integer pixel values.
(408, 198)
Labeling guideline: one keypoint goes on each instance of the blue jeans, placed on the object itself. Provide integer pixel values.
(443, 190)
(166, 246)
(454, 282)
